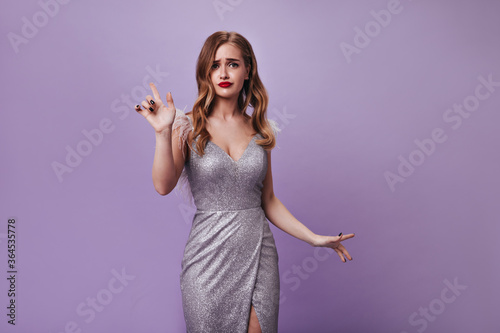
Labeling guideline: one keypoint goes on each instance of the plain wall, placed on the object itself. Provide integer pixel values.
(389, 130)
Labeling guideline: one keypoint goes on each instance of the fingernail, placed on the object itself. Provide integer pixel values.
(152, 102)
(340, 234)
(151, 109)
(137, 106)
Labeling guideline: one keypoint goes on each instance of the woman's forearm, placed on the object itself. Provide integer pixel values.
(164, 177)
(279, 215)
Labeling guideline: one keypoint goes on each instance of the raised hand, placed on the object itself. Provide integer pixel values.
(334, 242)
(159, 115)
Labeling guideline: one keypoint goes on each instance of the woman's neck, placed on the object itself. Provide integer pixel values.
(225, 109)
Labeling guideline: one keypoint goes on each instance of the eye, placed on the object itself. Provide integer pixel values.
(215, 66)
(233, 64)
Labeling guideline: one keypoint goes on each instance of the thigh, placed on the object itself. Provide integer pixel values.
(253, 325)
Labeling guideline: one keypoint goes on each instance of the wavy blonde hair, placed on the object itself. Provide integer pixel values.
(252, 94)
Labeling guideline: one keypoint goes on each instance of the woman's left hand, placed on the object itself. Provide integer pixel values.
(334, 242)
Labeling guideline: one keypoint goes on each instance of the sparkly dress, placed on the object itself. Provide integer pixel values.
(230, 260)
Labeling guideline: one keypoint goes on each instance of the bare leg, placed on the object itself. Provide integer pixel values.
(253, 325)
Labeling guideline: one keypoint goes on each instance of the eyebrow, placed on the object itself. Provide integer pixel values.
(228, 59)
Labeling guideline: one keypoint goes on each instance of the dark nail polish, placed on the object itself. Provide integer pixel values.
(137, 106)
(340, 234)
(152, 102)
(151, 109)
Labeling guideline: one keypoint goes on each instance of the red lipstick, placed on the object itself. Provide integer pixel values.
(225, 84)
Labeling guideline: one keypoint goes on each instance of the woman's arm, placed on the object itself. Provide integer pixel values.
(168, 160)
(279, 215)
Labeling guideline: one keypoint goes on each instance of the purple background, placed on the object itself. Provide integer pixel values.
(345, 121)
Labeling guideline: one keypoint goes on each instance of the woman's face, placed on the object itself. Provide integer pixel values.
(228, 72)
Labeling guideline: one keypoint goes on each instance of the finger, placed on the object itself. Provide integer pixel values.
(147, 106)
(155, 91)
(170, 100)
(141, 111)
(150, 100)
(337, 239)
(344, 251)
(344, 237)
(340, 254)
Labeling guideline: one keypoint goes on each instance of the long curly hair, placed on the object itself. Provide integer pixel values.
(252, 94)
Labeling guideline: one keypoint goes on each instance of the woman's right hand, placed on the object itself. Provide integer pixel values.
(159, 115)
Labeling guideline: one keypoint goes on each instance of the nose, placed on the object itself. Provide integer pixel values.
(223, 73)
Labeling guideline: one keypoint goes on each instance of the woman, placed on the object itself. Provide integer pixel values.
(229, 278)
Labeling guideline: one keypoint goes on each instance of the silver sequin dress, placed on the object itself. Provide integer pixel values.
(230, 259)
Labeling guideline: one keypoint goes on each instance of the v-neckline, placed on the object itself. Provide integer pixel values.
(222, 150)
(225, 153)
